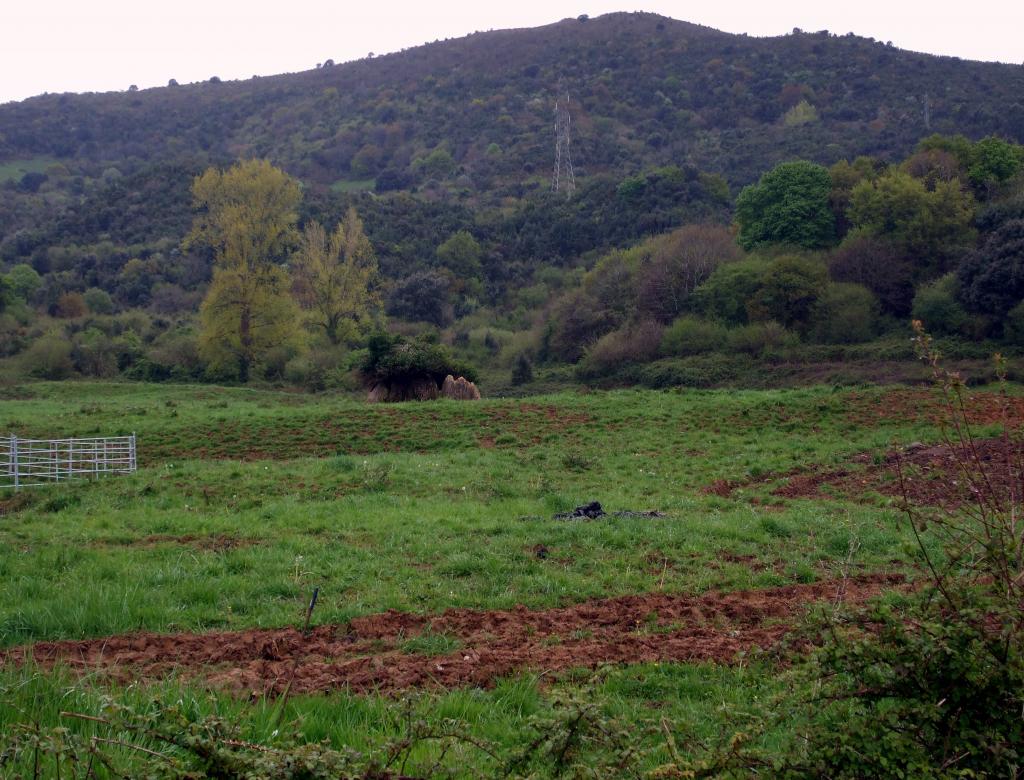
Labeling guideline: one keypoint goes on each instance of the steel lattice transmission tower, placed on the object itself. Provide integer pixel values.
(563, 177)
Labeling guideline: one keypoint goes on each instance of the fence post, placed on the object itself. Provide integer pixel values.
(131, 453)
(14, 461)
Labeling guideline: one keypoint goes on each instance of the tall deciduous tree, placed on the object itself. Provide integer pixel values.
(247, 217)
(931, 228)
(24, 282)
(992, 277)
(335, 275)
(789, 205)
(461, 254)
(790, 289)
(6, 293)
(994, 160)
(875, 262)
(680, 262)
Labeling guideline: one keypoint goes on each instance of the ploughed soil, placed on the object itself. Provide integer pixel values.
(370, 653)
(942, 475)
(209, 542)
(926, 405)
(373, 429)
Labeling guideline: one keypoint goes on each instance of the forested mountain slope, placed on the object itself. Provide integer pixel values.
(445, 153)
(476, 112)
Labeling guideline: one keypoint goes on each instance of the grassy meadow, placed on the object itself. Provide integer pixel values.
(246, 500)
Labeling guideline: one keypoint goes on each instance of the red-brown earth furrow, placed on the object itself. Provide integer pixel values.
(365, 655)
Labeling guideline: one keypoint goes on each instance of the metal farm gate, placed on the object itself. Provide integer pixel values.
(34, 462)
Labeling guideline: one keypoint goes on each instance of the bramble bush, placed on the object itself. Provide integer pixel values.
(690, 335)
(637, 344)
(392, 358)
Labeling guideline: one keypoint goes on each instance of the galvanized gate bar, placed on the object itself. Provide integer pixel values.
(33, 462)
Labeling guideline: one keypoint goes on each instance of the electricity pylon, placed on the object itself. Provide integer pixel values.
(563, 178)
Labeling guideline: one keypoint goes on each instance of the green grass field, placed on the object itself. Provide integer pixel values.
(13, 170)
(353, 185)
(246, 500)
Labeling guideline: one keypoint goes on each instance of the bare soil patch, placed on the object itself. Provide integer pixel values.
(15, 503)
(209, 542)
(724, 488)
(937, 475)
(925, 405)
(364, 655)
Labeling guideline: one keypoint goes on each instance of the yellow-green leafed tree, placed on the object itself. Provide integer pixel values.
(335, 275)
(247, 216)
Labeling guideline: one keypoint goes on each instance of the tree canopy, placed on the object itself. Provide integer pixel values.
(247, 217)
(929, 227)
(789, 205)
(335, 275)
(789, 291)
(992, 277)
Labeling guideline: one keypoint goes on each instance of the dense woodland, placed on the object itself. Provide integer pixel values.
(740, 201)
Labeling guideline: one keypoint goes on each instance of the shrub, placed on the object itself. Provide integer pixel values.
(172, 299)
(845, 314)
(1013, 327)
(874, 262)
(693, 336)
(71, 306)
(635, 344)
(173, 356)
(936, 305)
(680, 262)
(422, 297)
(274, 361)
(98, 301)
(760, 338)
(577, 321)
(12, 336)
(612, 282)
(461, 255)
(522, 370)
(128, 348)
(95, 354)
(789, 291)
(394, 359)
(698, 371)
(49, 358)
(725, 294)
(320, 369)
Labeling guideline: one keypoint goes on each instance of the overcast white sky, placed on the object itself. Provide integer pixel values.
(100, 45)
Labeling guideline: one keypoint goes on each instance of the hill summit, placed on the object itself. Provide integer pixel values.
(473, 115)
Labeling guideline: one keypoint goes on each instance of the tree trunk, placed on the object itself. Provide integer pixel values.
(331, 329)
(245, 343)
